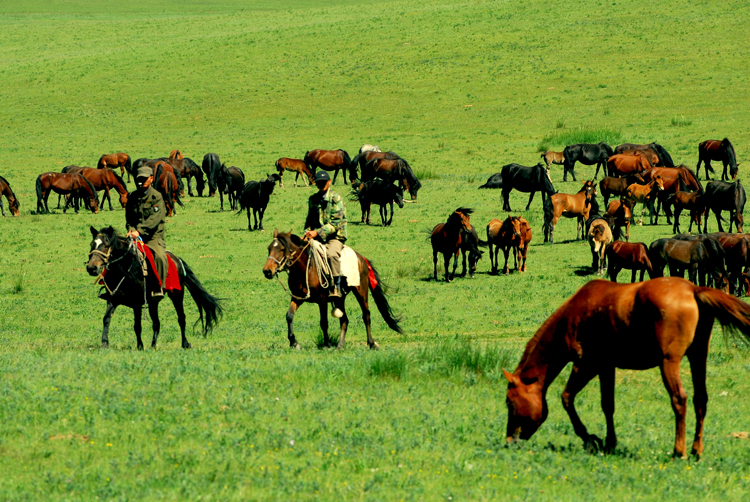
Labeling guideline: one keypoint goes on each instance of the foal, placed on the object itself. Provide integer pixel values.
(645, 194)
(514, 232)
(570, 206)
(446, 238)
(627, 255)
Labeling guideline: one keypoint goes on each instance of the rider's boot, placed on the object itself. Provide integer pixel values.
(335, 295)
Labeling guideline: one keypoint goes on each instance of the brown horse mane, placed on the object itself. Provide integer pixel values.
(9, 188)
(544, 335)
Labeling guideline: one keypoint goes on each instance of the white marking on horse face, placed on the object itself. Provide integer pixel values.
(275, 244)
(97, 243)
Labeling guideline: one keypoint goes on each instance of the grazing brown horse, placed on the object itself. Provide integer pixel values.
(165, 182)
(664, 158)
(645, 195)
(115, 160)
(514, 232)
(175, 154)
(6, 191)
(599, 237)
(446, 238)
(331, 160)
(672, 177)
(393, 170)
(570, 206)
(651, 155)
(736, 257)
(105, 180)
(606, 325)
(288, 253)
(297, 166)
(679, 255)
(628, 255)
(364, 157)
(65, 183)
(713, 149)
(692, 201)
(620, 214)
(622, 165)
(549, 157)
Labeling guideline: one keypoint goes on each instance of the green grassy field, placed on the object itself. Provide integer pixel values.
(458, 89)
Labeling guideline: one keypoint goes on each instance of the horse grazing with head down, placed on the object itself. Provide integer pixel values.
(724, 196)
(105, 180)
(69, 183)
(186, 169)
(605, 326)
(514, 232)
(298, 167)
(393, 170)
(588, 154)
(331, 160)
(230, 181)
(470, 243)
(115, 160)
(211, 165)
(175, 154)
(256, 195)
(378, 192)
(446, 238)
(549, 157)
(571, 206)
(7, 192)
(288, 253)
(166, 183)
(713, 149)
(628, 255)
(531, 179)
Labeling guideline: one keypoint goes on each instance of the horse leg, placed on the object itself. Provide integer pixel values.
(506, 251)
(293, 306)
(579, 377)
(707, 166)
(632, 278)
(455, 263)
(506, 200)
(731, 220)
(177, 300)
(323, 308)
(697, 356)
(362, 299)
(137, 314)
(249, 221)
(255, 219)
(531, 197)
(718, 220)
(390, 220)
(383, 217)
(107, 318)
(670, 375)
(676, 224)
(344, 322)
(153, 312)
(463, 264)
(335, 174)
(261, 212)
(447, 261)
(434, 262)
(607, 388)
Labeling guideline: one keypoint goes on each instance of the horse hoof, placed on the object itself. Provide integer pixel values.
(105, 345)
(187, 346)
(374, 346)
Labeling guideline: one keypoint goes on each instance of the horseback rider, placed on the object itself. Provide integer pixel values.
(144, 216)
(326, 222)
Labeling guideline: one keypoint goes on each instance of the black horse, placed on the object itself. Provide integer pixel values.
(187, 169)
(391, 170)
(211, 165)
(525, 179)
(378, 192)
(230, 181)
(255, 196)
(124, 284)
(725, 196)
(494, 181)
(714, 149)
(665, 160)
(587, 154)
(470, 243)
(713, 271)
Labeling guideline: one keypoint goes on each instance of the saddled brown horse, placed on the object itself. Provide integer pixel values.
(622, 165)
(605, 326)
(514, 232)
(628, 255)
(6, 191)
(115, 160)
(165, 182)
(105, 180)
(297, 166)
(571, 206)
(288, 253)
(393, 170)
(68, 183)
(175, 154)
(446, 238)
(713, 149)
(331, 160)
(671, 178)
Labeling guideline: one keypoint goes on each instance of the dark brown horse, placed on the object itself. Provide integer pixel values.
(620, 214)
(515, 233)
(393, 170)
(73, 184)
(175, 154)
(115, 160)
(331, 160)
(605, 326)
(736, 256)
(665, 160)
(6, 191)
(165, 182)
(693, 201)
(446, 238)
(298, 167)
(713, 149)
(288, 253)
(671, 178)
(571, 206)
(680, 255)
(186, 169)
(363, 158)
(725, 196)
(609, 185)
(627, 255)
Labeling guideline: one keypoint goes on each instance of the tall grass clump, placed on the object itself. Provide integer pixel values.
(18, 286)
(388, 365)
(581, 135)
(426, 173)
(459, 355)
(680, 122)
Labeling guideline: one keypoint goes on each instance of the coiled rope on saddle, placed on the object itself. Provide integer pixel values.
(319, 256)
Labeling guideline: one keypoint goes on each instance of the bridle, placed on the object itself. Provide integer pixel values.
(107, 262)
(287, 261)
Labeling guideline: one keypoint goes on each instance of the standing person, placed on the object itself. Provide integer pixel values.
(326, 222)
(144, 216)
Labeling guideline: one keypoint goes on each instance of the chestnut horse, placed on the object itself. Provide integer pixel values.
(618, 186)
(6, 191)
(605, 326)
(65, 183)
(713, 149)
(622, 165)
(175, 154)
(549, 157)
(115, 160)
(446, 238)
(106, 179)
(671, 178)
(628, 255)
(645, 195)
(665, 159)
(288, 253)
(650, 155)
(165, 182)
(570, 206)
(296, 165)
(619, 214)
(514, 232)
(331, 160)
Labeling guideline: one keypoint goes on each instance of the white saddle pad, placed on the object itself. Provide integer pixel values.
(350, 266)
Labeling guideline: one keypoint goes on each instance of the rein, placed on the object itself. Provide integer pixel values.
(285, 264)
(107, 262)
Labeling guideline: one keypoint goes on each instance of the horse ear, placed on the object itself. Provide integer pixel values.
(275, 232)
(510, 376)
(94, 232)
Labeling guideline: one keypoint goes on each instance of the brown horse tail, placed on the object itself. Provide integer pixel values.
(732, 314)
(381, 300)
(157, 174)
(39, 193)
(128, 165)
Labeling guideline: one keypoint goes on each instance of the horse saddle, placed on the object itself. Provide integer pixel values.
(349, 263)
(173, 275)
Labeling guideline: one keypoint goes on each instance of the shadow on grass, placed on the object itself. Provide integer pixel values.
(584, 271)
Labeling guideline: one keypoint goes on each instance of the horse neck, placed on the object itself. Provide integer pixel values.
(546, 354)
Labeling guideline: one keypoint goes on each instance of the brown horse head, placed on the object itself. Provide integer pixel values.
(282, 252)
(461, 217)
(511, 227)
(527, 409)
(14, 206)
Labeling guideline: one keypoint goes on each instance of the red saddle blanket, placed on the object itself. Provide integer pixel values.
(173, 276)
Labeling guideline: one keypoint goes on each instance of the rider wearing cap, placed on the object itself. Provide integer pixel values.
(144, 216)
(326, 221)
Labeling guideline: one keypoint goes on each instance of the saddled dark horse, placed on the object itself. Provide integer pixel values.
(525, 179)
(381, 193)
(255, 195)
(124, 284)
(665, 160)
(211, 165)
(587, 154)
(713, 149)
(725, 196)
(288, 253)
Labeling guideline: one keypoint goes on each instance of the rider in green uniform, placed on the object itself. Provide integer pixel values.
(144, 215)
(326, 222)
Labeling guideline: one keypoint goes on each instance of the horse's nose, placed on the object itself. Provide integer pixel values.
(92, 270)
(267, 273)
